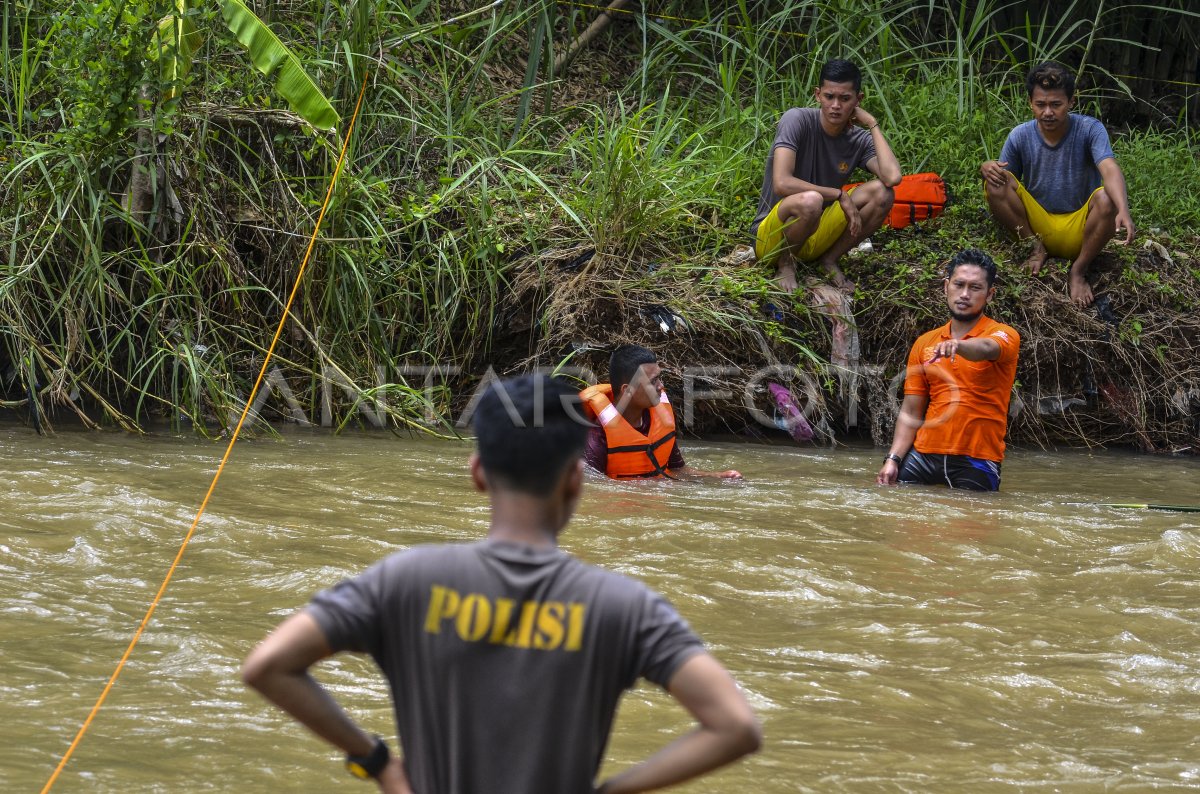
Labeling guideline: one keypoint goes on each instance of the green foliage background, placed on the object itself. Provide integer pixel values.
(476, 171)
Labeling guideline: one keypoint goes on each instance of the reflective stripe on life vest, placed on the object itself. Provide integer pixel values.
(630, 453)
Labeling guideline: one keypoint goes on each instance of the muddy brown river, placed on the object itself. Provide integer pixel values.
(891, 639)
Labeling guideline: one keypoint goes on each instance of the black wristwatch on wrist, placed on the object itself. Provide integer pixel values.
(893, 456)
(370, 765)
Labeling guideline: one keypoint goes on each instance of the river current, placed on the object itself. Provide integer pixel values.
(891, 639)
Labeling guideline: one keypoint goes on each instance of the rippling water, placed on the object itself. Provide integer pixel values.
(892, 639)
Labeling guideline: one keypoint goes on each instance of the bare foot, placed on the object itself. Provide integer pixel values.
(838, 278)
(1037, 258)
(785, 277)
(1081, 291)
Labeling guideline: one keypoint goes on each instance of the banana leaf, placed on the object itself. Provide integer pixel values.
(269, 55)
(175, 44)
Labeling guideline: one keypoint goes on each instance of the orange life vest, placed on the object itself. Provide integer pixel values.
(918, 197)
(630, 453)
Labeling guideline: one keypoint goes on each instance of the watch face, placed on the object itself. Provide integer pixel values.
(358, 770)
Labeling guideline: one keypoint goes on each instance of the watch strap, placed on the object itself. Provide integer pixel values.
(370, 765)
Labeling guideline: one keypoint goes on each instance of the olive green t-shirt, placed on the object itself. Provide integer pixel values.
(820, 159)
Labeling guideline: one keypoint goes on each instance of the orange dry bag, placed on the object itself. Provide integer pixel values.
(918, 197)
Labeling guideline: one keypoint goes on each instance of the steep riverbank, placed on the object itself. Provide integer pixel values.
(477, 184)
(1121, 372)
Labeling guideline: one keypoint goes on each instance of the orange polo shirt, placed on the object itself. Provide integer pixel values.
(968, 400)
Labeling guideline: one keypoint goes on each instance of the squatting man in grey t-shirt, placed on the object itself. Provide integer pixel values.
(804, 215)
(506, 657)
(1057, 181)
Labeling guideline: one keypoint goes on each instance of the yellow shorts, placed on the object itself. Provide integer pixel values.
(770, 241)
(1062, 234)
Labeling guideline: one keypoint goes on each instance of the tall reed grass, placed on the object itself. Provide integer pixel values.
(474, 160)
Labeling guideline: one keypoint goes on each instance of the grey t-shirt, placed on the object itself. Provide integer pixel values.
(820, 159)
(1063, 176)
(505, 661)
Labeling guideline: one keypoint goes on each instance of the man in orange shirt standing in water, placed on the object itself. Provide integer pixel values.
(955, 411)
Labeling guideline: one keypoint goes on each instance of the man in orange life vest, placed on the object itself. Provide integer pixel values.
(634, 434)
(507, 657)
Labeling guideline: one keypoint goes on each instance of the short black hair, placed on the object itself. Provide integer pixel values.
(1050, 76)
(528, 432)
(626, 360)
(841, 71)
(972, 256)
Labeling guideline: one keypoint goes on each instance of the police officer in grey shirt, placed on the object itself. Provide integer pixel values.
(506, 657)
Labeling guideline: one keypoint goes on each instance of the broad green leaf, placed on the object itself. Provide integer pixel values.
(175, 44)
(270, 54)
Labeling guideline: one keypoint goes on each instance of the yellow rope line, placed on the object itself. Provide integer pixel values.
(228, 451)
(657, 15)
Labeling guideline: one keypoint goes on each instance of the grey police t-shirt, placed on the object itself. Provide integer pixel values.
(1061, 177)
(820, 158)
(505, 661)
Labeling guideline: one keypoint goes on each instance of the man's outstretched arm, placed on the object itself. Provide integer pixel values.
(692, 473)
(278, 669)
(678, 468)
(728, 730)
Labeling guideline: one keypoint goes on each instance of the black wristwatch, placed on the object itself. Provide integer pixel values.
(893, 456)
(370, 765)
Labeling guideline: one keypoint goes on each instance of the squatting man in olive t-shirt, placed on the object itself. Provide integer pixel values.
(506, 657)
(804, 215)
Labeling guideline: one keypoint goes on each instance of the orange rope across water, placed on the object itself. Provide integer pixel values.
(224, 459)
